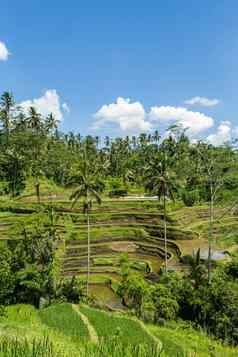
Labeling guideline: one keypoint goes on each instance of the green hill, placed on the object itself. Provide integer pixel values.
(60, 331)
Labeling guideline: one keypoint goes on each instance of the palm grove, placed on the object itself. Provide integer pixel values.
(175, 170)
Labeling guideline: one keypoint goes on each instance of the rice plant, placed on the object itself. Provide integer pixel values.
(111, 325)
(24, 348)
(45, 348)
(64, 319)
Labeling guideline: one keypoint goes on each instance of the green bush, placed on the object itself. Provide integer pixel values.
(190, 197)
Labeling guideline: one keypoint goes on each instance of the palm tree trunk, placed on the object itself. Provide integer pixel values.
(88, 273)
(37, 187)
(165, 236)
(211, 214)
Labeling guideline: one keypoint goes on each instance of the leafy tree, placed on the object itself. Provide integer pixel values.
(7, 279)
(134, 292)
(71, 289)
(165, 303)
(13, 171)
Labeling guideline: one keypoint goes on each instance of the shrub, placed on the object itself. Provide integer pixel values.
(71, 290)
(118, 193)
(190, 197)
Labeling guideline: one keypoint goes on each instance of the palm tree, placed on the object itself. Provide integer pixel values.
(159, 182)
(6, 106)
(21, 122)
(35, 122)
(197, 267)
(51, 123)
(156, 136)
(89, 187)
(213, 166)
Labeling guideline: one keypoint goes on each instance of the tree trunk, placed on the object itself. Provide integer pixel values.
(14, 182)
(210, 235)
(165, 237)
(37, 186)
(88, 273)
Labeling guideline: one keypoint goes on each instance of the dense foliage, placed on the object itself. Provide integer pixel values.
(31, 146)
(212, 305)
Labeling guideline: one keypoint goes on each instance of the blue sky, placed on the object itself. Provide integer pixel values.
(158, 54)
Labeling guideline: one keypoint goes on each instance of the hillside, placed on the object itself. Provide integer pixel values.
(117, 226)
(122, 249)
(60, 329)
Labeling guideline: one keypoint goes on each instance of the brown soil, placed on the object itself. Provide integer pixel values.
(124, 247)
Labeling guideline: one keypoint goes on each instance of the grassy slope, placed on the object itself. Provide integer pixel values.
(60, 324)
(64, 319)
(109, 325)
(180, 340)
(24, 322)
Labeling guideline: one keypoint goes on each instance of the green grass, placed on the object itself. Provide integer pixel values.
(108, 325)
(25, 348)
(25, 333)
(179, 339)
(24, 322)
(63, 318)
(46, 348)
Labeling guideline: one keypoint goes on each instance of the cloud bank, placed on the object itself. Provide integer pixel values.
(132, 117)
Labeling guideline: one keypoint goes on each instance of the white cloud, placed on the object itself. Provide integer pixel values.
(48, 103)
(203, 101)
(65, 107)
(195, 122)
(222, 135)
(130, 116)
(4, 53)
(225, 133)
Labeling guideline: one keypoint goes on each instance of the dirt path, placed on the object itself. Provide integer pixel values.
(92, 333)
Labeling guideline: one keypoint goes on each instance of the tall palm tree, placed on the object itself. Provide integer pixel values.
(160, 182)
(6, 107)
(89, 188)
(213, 166)
(35, 122)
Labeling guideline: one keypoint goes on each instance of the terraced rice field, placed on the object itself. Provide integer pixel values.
(118, 227)
(135, 228)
